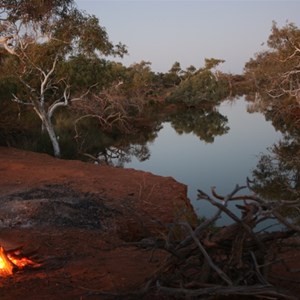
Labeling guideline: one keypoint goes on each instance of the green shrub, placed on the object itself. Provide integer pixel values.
(203, 86)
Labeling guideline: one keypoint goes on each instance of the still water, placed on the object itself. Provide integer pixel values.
(228, 161)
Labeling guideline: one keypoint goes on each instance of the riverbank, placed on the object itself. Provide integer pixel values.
(80, 219)
(88, 226)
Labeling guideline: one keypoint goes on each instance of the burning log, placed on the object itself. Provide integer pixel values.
(14, 260)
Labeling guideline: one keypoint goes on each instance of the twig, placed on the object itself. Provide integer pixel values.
(205, 254)
(258, 273)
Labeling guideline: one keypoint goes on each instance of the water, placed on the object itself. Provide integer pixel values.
(228, 161)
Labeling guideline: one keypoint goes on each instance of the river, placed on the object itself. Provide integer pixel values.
(225, 162)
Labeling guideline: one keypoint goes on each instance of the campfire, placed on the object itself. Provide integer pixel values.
(14, 260)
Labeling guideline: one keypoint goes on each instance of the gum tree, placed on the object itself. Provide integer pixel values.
(202, 85)
(37, 39)
(275, 72)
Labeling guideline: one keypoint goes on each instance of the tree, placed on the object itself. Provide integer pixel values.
(139, 80)
(275, 73)
(173, 77)
(211, 63)
(189, 71)
(40, 37)
(201, 86)
(137, 86)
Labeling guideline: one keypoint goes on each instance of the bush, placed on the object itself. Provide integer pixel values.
(203, 86)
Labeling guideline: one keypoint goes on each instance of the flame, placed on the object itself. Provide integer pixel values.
(6, 266)
(13, 260)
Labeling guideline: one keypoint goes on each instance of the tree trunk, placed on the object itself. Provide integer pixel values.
(48, 126)
(53, 138)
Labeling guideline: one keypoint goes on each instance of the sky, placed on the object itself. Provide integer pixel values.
(167, 31)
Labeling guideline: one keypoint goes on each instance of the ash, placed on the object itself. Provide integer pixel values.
(55, 206)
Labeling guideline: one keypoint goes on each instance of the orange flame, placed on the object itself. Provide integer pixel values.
(10, 261)
(6, 266)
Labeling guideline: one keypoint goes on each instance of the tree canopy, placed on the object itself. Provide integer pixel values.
(275, 72)
(40, 41)
(202, 85)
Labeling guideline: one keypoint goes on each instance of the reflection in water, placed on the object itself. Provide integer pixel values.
(120, 149)
(228, 161)
(197, 148)
(118, 156)
(277, 175)
(204, 123)
(283, 114)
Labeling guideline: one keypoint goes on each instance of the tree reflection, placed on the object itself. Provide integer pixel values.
(204, 123)
(277, 174)
(117, 149)
(118, 156)
(284, 115)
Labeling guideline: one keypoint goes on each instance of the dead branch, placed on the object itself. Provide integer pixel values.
(232, 260)
(206, 256)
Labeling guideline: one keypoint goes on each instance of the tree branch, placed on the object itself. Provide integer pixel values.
(205, 254)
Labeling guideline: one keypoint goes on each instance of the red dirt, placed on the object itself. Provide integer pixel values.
(78, 261)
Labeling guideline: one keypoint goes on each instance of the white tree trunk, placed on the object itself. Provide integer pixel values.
(53, 138)
(48, 126)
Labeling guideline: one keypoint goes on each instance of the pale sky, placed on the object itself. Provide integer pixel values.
(166, 31)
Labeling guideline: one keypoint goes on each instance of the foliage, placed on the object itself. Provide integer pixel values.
(173, 76)
(84, 71)
(138, 81)
(44, 44)
(200, 86)
(34, 10)
(53, 56)
(275, 73)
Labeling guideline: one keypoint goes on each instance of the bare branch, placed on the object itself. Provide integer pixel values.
(47, 75)
(17, 100)
(283, 221)
(83, 96)
(205, 254)
(56, 104)
(297, 50)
